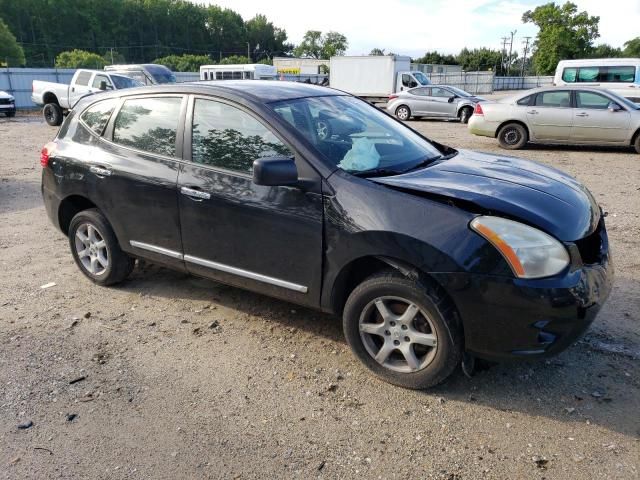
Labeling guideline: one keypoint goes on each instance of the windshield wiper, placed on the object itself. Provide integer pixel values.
(376, 172)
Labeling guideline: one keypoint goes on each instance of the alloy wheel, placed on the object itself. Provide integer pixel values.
(398, 334)
(91, 249)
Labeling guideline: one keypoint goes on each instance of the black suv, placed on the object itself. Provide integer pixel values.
(308, 194)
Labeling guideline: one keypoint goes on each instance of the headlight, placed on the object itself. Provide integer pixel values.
(529, 252)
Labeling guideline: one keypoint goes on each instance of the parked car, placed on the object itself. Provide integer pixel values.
(427, 252)
(620, 75)
(146, 73)
(436, 101)
(7, 104)
(59, 98)
(560, 115)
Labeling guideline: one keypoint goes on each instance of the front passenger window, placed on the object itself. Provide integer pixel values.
(227, 137)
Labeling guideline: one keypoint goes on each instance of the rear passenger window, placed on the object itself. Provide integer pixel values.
(97, 115)
(569, 74)
(149, 124)
(226, 137)
(83, 78)
(620, 74)
(553, 99)
(589, 74)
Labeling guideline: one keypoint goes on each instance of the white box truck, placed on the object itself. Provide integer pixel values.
(374, 78)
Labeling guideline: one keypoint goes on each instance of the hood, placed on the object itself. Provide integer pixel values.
(4, 94)
(533, 193)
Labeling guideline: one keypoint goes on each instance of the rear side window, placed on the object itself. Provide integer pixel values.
(149, 124)
(227, 137)
(569, 74)
(588, 74)
(83, 79)
(620, 74)
(524, 101)
(421, 92)
(553, 99)
(97, 115)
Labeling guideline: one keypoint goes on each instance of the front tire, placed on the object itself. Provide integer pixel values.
(636, 143)
(403, 113)
(513, 136)
(465, 114)
(11, 114)
(403, 330)
(95, 249)
(52, 114)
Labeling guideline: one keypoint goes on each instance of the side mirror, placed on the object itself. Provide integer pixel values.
(614, 107)
(103, 85)
(451, 99)
(275, 171)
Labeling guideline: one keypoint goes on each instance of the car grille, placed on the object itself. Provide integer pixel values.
(590, 247)
(5, 101)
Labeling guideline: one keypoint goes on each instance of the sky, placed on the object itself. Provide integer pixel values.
(411, 27)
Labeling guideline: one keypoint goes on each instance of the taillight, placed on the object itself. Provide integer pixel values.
(478, 110)
(391, 97)
(46, 152)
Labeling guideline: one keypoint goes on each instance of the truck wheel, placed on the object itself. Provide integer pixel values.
(513, 136)
(52, 114)
(11, 114)
(405, 331)
(465, 114)
(403, 113)
(95, 249)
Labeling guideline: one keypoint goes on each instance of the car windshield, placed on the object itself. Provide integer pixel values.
(161, 74)
(421, 77)
(460, 93)
(125, 82)
(356, 136)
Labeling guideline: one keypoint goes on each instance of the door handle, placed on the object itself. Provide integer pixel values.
(582, 114)
(99, 171)
(532, 112)
(192, 192)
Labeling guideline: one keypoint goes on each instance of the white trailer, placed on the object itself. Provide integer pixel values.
(374, 78)
(253, 71)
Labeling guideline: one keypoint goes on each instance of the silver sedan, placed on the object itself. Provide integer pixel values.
(434, 101)
(559, 115)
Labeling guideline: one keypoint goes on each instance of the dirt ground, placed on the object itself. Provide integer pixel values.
(169, 376)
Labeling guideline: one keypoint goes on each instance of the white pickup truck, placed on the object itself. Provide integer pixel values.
(59, 98)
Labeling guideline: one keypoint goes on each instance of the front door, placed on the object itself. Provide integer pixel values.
(550, 117)
(268, 239)
(438, 103)
(593, 122)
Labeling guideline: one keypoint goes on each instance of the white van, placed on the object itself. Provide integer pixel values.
(620, 75)
(253, 71)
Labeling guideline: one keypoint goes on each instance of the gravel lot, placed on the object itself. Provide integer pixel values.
(171, 376)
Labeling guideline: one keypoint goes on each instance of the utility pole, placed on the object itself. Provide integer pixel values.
(502, 52)
(248, 52)
(510, 51)
(524, 57)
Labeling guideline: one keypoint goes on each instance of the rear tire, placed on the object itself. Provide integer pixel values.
(403, 113)
(513, 136)
(11, 114)
(465, 114)
(52, 114)
(95, 249)
(404, 330)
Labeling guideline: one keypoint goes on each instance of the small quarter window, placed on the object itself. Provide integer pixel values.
(97, 115)
(523, 102)
(149, 124)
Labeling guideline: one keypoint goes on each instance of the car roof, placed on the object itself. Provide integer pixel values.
(259, 91)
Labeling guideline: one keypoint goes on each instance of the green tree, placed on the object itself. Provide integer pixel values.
(377, 52)
(437, 59)
(80, 59)
(632, 48)
(564, 33)
(316, 45)
(605, 51)
(184, 63)
(265, 39)
(478, 59)
(11, 53)
(234, 60)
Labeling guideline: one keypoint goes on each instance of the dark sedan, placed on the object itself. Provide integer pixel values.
(430, 254)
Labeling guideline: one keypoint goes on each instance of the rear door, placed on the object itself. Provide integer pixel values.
(135, 174)
(551, 116)
(593, 122)
(268, 239)
(417, 100)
